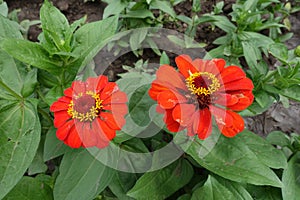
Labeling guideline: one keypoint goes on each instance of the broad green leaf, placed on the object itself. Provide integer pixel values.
(121, 183)
(139, 105)
(53, 94)
(264, 192)
(32, 54)
(164, 59)
(3, 9)
(292, 92)
(38, 165)
(162, 183)
(217, 188)
(291, 179)
(280, 51)
(278, 138)
(81, 176)
(139, 14)
(30, 189)
(114, 7)
(55, 26)
(9, 29)
(251, 53)
(53, 147)
(19, 125)
(264, 151)
(220, 21)
(164, 6)
(233, 159)
(137, 37)
(91, 37)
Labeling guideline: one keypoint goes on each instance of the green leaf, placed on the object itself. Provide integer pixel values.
(292, 92)
(38, 165)
(81, 176)
(137, 37)
(139, 105)
(291, 179)
(264, 192)
(139, 14)
(280, 51)
(121, 184)
(164, 6)
(234, 159)
(220, 21)
(90, 38)
(164, 59)
(32, 54)
(251, 53)
(264, 151)
(217, 188)
(53, 94)
(278, 138)
(9, 29)
(53, 147)
(55, 26)
(31, 189)
(114, 7)
(162, 183)
(19, 125)
(3, 9)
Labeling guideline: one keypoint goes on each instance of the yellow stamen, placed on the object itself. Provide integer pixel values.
(91, 114)
(214, 86)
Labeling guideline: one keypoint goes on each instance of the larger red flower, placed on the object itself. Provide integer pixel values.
(90, 113)
(202, 89)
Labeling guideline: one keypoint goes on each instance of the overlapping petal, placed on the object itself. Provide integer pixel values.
(200, 91)
(90, 113)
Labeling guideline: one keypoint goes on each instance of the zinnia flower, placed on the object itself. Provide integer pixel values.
(90, 113)
(199, 90)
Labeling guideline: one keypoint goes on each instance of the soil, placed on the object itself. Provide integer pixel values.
(276, 118)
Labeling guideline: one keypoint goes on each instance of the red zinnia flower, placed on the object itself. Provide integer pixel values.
(202, 89)
(90, 113)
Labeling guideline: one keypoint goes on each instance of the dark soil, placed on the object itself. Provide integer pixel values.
(276, 118)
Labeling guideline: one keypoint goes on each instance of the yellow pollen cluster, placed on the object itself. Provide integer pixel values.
(91, 114)
(214, 86)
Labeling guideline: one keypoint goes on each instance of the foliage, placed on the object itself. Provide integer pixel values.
(145, 160)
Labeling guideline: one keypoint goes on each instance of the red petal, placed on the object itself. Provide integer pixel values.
(215, 66)
(155, 90)
(108, 90)
(244, 99)
(68, 92)
(117, 97)
(200, 64)
(168, 99)
(169, 77)
(185, 65)
(115, 122)
(242, 84)
(116, 109)
(78, 88)
(172, 125)
(88, 134)
(106, 130)
(96, 84)
(102, 82)
(63, 131)
(232, 73)
(202, 123)
(60, 118)
(182, 113)
(59, 106)
(73, 139)
(229, 122)
(225, 99)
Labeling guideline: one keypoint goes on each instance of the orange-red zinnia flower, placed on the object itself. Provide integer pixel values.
(199, 90)
(90, 113)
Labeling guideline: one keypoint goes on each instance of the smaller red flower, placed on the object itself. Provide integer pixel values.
(90, 113)
(200, 90)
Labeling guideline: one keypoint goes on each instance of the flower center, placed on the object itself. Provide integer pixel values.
(85, 107)
(202, 83)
